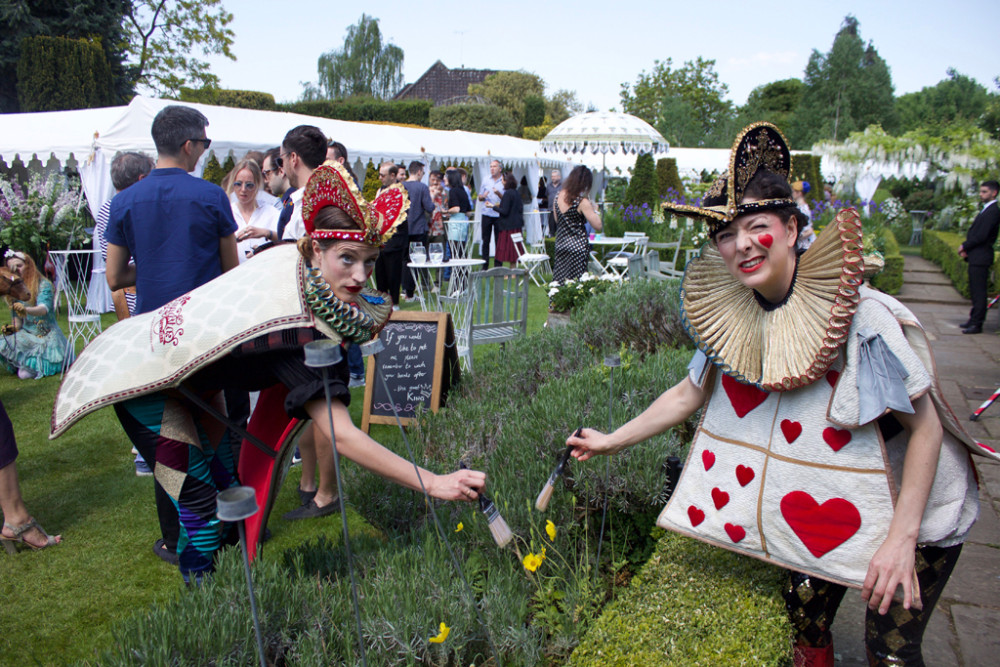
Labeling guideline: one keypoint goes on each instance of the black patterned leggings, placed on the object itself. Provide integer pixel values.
(893, 639)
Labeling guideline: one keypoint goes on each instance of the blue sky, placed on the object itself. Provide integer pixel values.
(592, 47)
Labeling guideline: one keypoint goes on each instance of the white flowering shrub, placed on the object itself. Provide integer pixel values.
(49, 213)
(570, 294)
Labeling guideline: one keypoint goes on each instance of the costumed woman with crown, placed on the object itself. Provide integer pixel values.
(825, 445)
(246, 329)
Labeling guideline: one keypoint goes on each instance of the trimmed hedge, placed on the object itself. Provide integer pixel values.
(942, 249)
(486, 118)
(890, 280)
(693, 604)
(668, 178)
(224, 97)
(642, 189)
(411, 112)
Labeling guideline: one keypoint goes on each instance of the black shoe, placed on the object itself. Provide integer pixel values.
(312, 511)
(306, 496)
(965, 325)
(972, 330)
(161, 550)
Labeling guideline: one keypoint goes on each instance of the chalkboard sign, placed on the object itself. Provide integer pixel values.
(419, 364)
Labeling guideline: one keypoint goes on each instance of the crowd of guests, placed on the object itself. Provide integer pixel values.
(165, 233)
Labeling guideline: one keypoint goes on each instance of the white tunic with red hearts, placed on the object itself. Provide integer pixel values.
(787, 477)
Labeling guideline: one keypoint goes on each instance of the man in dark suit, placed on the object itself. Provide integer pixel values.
(977, 250)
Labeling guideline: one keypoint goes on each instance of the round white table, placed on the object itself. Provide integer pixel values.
(435, 301)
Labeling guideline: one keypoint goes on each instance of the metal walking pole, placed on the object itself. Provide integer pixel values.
(611, 361)
(372, 349)
(234, 505)
(982, 408)
(323, 354)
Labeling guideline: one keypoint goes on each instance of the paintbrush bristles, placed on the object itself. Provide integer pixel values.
(501, 531)
(542, 502)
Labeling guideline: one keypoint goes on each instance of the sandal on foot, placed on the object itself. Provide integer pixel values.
(10, 543)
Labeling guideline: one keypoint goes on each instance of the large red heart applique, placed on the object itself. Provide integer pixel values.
(708, 459)
(696, 515)
(791, 430)
(720, 498)
(836, 437)
(743, 397)
(822, 528)
(831, 377)
(735, 533)
(744, 475)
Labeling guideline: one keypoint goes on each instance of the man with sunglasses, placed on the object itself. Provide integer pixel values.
(180, 231)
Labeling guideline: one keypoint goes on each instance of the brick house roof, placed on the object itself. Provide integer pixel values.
(439, 83)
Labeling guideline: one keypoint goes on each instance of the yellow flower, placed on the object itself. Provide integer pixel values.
(532, 561)
(441, 636)
(550, 528)
(459, 528)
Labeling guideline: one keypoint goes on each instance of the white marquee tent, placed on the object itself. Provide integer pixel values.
(91, 137)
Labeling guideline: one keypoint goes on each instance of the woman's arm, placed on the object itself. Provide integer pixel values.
(670, 409)
(355, 444)
(587, 209)
(892, 564)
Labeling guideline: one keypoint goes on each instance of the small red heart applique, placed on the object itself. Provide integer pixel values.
(696, 515)
(791, 430)
(836, 437)
(743, 397)
(744, 475)
(765, 240)
(708, 459)
(735, 533)
(720, 498)
(822, 528)
(831, 377)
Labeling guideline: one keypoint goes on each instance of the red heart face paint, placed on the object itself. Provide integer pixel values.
(765, 240)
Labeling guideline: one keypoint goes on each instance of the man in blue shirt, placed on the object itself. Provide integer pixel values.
(179, 229)
(181, 232)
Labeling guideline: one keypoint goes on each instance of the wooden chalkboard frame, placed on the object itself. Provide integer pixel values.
(445, 373)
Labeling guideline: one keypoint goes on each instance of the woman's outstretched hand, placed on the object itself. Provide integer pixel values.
(590, 442)
(459, 485)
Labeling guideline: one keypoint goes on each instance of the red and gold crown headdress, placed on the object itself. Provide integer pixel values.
(332, 185)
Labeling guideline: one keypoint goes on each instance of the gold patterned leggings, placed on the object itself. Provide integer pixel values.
(893, 639)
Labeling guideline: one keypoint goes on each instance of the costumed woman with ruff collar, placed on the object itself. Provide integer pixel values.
(246, 329)
(825, 445)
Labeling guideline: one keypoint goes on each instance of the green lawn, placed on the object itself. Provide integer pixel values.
(59, 605)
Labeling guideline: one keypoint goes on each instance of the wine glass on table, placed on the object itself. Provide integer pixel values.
(436, 252)
(418, 253)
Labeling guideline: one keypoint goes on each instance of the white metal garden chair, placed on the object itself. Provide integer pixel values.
(84, 323)
(617, 262)
(495, 310)
(535, 263)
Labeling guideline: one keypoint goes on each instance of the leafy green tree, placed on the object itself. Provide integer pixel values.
(957, 98)
(642, 187)
(57, 73)
(164, 36)
(685, 104)
(509, 90)
(990, 121)
(775, 102)
(363, 67)
(97, 20)
(534, 110)
(846, 90)
(561, 105)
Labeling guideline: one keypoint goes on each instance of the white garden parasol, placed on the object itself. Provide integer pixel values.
(603, 132)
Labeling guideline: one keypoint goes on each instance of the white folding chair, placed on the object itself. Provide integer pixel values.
(635, 244)
(534, 262)
(84, 323)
